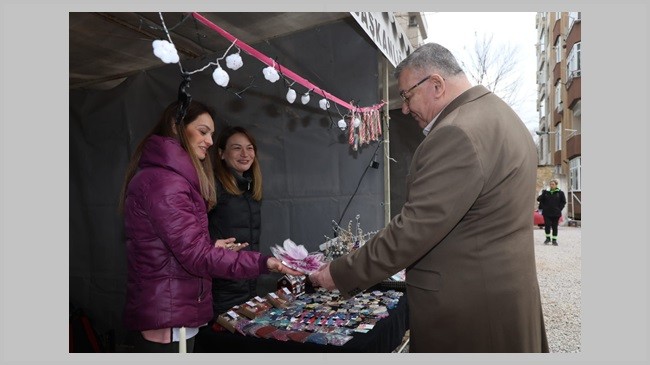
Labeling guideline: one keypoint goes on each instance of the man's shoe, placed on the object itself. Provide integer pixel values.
(554, 243)
(547, 241)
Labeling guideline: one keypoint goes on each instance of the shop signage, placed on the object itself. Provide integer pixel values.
(386, 33)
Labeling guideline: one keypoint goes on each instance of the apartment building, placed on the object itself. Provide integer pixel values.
(559, 102)
(415, 26)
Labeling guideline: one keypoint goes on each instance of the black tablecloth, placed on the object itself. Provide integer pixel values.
(384, 337)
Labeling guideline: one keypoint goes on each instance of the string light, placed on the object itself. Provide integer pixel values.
(305, 98)
(364, 125)
(234, 61)
(165, 51)
(291, 95)
(220, 77)
(324, 104)
(271, 74)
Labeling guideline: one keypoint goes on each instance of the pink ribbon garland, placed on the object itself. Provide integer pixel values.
(285, 71)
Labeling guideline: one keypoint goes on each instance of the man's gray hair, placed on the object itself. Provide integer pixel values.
(431, 56)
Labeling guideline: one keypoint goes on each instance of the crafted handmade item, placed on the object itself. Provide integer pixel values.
(346, 240)
(297, 257)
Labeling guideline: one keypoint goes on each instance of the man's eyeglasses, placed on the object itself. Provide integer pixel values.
(403, 93)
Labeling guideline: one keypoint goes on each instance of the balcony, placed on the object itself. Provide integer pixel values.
(557, 72)
(574, 89)
(574, 35)
(558, 113)
(556, 28)
(557, 158)
(574, 146)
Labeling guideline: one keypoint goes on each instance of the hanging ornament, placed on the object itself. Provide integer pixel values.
(234, 61)
(220, 77)
(305, 98)
(356, 122)
(324, 104)
(271, 74)
(291, 95)
(342, 124)
(165, 51)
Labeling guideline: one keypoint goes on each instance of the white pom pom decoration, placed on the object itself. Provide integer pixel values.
(271, 74)
(356, 123)
(342, 124)
(234, 61)
(324, 104)
(291, 95)
(165, 51)
(305, 98)
(220, 77)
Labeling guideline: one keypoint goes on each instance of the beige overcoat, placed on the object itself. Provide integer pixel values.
(465, 235)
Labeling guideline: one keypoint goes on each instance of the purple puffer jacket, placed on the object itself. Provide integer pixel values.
(171, 260)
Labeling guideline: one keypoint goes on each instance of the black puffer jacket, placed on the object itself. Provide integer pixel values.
(236, 216)
(552, 202)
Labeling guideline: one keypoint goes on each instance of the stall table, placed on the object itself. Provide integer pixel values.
(386, 336)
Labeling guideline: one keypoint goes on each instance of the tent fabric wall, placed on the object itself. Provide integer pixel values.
(405, 137)
(309, 170)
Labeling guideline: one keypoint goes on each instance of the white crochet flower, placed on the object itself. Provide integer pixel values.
(220, 77)
(271, 74)
(234, 61)
(356, 123)
(324, 104)
(342, 124)
(291, 95)
(165, 51)
(305, 98)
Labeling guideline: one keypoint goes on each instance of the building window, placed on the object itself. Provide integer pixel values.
(574, 17)
(573, 62)
(542, 107)
(558, 95)
(558, 137)
(542, 42)
(413, 21)
(575, 174)
(558, 50)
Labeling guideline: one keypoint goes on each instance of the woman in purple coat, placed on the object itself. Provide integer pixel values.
(168, 190)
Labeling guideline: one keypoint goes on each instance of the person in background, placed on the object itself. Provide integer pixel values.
(171, 259)
(464, 233)
(551, 202)
(238, 210)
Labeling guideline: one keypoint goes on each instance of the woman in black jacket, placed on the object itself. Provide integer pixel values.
(238, 210)
(551, 202)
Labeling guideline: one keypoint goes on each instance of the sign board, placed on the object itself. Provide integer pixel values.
(386, 33)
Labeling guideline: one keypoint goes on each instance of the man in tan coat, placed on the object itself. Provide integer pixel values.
(464, 234)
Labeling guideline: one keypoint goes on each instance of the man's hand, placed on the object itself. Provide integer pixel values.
(323, 278)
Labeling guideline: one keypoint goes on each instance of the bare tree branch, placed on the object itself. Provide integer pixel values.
(495, 67)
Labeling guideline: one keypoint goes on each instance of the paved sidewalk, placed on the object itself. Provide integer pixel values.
(560, 280)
